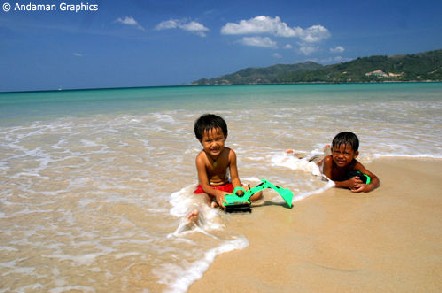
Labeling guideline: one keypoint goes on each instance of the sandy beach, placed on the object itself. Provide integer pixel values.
(385, 241)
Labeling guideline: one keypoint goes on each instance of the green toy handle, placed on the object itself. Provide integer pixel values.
(234, 198)
(364, 177)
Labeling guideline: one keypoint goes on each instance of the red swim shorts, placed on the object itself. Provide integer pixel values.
(228, 187)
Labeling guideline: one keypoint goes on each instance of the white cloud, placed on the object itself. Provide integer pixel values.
(308, 50)
(315, 33)
(337, 50)
(258, 42)
(192, 26)
(168, 24)
(195, 27)
(129, 20)
(261, 24)
(275, 27)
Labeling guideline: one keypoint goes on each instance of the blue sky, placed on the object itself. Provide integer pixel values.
(160, 42)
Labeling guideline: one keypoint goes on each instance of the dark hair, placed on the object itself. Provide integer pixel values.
(208, 122)
(346, 138)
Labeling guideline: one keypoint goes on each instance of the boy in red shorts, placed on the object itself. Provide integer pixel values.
(216, 162)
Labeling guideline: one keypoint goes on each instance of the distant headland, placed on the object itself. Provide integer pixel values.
(378, 68)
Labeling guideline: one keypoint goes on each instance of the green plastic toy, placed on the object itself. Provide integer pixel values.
(235, 203)
(364, 177)
(368, 179)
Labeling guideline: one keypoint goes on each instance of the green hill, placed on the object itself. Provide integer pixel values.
(411, 67)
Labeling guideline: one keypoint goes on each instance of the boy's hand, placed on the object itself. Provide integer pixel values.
(357, 185)
(358, 188)
(354, 182)
(220, 199)
(362, 188)
(239, 193)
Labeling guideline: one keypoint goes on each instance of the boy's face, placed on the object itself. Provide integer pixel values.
(343, 155)
(213, 141)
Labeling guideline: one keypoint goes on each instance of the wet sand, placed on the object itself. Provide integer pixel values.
(389, 240)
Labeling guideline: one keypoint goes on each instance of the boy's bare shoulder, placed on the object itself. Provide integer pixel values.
(201, 157)
(359, 166)
(230, 153)
(328, 159)
(228, 150)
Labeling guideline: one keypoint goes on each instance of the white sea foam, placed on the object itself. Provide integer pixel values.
(185, 201)
(294, 163)
(303, 195)
(179, 279)
(89, 143)
(163, 118)
(182, 201)
(85, 289)
(304, 165)
(76, 260)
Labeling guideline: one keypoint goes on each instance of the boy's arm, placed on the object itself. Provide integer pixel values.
(204, 181)
(375, 182)
(327, 168)
(234, 175)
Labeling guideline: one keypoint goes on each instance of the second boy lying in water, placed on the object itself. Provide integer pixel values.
(341, 164)
(342, 167)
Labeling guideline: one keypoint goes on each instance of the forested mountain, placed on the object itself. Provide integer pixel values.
(411, 67)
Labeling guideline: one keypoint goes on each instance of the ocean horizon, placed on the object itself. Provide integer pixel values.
(61, 89)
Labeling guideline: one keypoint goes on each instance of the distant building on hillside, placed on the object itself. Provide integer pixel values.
(379, 73)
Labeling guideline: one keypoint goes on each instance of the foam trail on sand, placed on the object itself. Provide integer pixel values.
(304, 165)
(181, 281)
(293, 163)
(177, 277)
(304, 195)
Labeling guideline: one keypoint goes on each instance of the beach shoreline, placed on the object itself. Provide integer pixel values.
(384, 241)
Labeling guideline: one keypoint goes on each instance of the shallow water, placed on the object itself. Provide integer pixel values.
(95, 184)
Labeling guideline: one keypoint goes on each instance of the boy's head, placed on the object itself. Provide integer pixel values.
(209, 122)
(346, 138)
(345, 148)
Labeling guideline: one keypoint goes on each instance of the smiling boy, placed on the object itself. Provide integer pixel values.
(216, 164)
(341, 165)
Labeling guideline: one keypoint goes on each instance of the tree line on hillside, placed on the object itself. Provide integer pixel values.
(379, 68)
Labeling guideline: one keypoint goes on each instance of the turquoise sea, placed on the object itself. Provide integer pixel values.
(95, 184)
